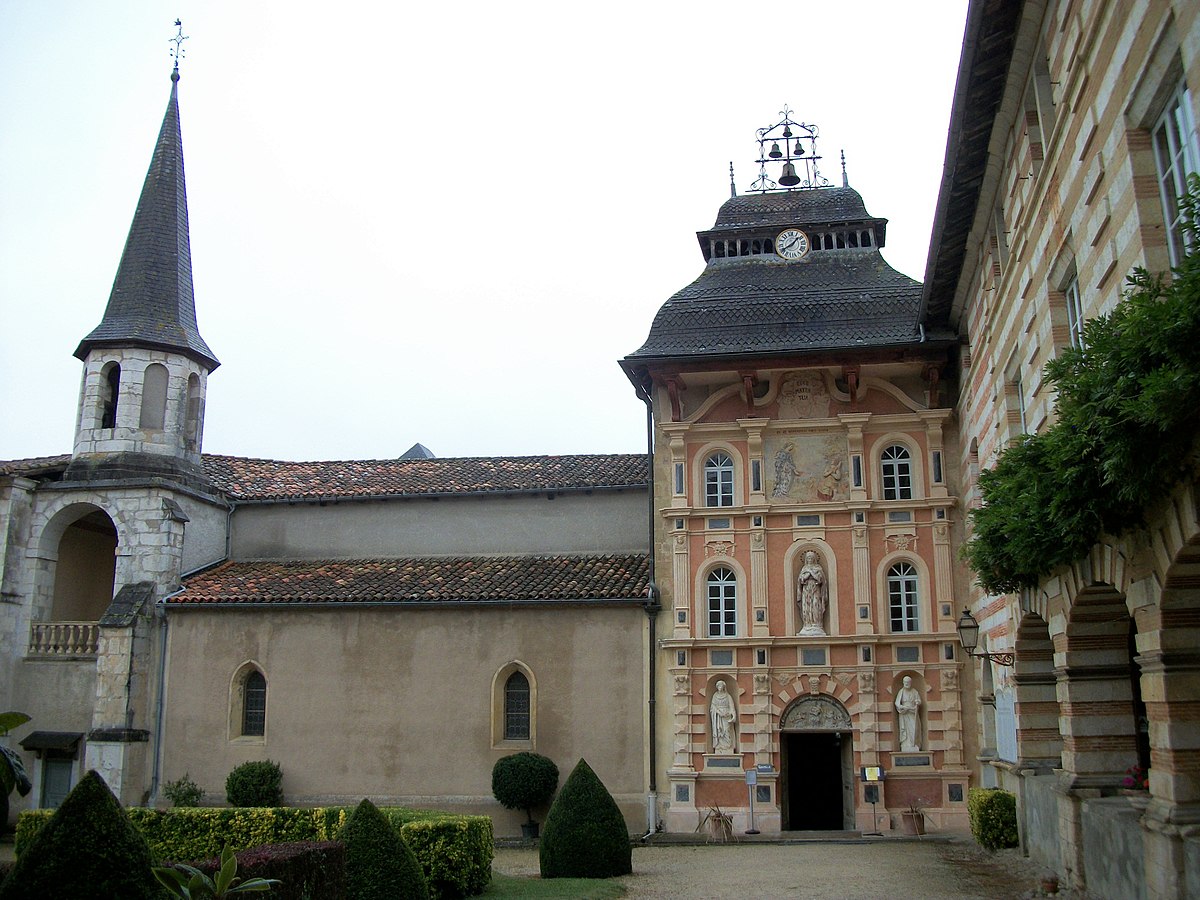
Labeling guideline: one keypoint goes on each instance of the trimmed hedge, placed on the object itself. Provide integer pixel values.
(308, 870)
(993, 815)
(86, 848)
(455, 852)
(585, 835)
(379, 865)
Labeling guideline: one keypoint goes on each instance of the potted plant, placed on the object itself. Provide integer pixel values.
(12, 770)
(523, 781)
(913, 819)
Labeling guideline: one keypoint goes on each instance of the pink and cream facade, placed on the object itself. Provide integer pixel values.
(805, 516)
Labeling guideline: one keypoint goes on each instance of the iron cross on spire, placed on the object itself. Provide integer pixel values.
(177, 52)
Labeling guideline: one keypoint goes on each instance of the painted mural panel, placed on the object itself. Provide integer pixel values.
(807, 468)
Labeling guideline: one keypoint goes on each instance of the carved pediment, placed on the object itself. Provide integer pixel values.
(816, 714)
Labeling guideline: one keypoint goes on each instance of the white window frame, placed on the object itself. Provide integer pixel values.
(718, 479)
(1074, 313)
(895, 464)
(1175, 155)
(721, 593)
(903, 598)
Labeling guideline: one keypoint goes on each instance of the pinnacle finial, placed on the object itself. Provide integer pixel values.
(177, 52)
(732, 186)
(845, 180)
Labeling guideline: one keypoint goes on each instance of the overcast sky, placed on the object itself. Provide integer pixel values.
(435, 222)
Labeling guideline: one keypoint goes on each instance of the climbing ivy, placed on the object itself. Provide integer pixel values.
(1126, 423)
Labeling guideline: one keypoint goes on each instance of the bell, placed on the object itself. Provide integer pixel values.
(787, 132)
(775, 152)
(789, 176)
(799, 149)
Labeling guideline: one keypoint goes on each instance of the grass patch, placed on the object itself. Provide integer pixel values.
(552, 888)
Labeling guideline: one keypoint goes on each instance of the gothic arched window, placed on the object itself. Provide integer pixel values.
(516, 707)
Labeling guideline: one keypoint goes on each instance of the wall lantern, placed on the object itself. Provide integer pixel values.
(968, 636)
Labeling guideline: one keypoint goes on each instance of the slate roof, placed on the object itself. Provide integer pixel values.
(831, 299)
(151, 304)
(427, 580)
(812, 206)
(267, 479)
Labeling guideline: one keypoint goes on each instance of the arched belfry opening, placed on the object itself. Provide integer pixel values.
(817, 757)
(86, 569)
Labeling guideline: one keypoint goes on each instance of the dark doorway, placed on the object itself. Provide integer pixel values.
(813, 775)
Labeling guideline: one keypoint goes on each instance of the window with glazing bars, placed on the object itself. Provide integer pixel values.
(897, 473)
(718, 480)
(254, 705)
(516, 707)
(902, 596)
(722, 603)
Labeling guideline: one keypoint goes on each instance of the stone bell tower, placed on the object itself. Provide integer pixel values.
(146, 367)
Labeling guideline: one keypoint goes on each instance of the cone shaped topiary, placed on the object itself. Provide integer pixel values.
(89, 848)
(585, 835)
(379, 865)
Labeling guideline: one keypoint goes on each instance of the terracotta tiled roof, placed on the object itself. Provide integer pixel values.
(430, 580)
(35, 465)
(267, 479)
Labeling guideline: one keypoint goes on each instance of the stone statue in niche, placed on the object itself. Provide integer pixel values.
(812, 593)
(803, 396)
(785, 470)
(908, 705)
(721, 714)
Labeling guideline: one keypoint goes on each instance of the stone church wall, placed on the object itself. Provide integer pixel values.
(601, 522)
(398, 704)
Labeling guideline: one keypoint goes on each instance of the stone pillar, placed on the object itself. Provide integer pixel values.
(1039, 740)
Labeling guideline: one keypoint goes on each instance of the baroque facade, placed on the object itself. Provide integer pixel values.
(1073, 127)
(805, 508)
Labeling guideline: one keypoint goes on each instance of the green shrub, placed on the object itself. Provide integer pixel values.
(585, 835)
(88, 848)
(523, 781)
(183, 792)
(993, 815)
(379, 865)
(256, 783)
(455, 853)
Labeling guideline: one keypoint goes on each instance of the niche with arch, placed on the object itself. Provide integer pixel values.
(908, 708)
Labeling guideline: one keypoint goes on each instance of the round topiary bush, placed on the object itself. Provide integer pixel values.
(257, 783)
(89, 848)
(523, 781)
(379, 865)
(585, 835)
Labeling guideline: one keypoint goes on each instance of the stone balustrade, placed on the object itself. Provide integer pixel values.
(64, 640)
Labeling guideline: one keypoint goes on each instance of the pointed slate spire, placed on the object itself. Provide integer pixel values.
(151, 304)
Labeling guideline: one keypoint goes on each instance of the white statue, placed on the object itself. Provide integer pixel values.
(722, 714)
(812, 591)
(908, 702)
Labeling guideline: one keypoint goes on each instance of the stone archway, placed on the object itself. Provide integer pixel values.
(817, 766)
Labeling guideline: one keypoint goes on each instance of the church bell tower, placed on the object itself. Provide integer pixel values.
(146, 367)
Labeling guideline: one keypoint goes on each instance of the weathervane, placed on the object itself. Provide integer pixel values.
(798, 155)
(177, 52)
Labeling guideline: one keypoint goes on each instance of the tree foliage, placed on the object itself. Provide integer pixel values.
(524, 780)
(255, 783)
(1124, 435)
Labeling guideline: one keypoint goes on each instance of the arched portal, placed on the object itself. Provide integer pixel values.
(817, 766)
(86, 568)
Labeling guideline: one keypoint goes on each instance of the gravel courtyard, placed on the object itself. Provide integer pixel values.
(896, 870)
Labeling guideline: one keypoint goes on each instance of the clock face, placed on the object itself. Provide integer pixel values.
(792, 244)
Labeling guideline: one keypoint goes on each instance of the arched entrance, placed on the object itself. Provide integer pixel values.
(817, 766)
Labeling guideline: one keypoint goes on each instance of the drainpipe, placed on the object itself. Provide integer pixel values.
(652, 608)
